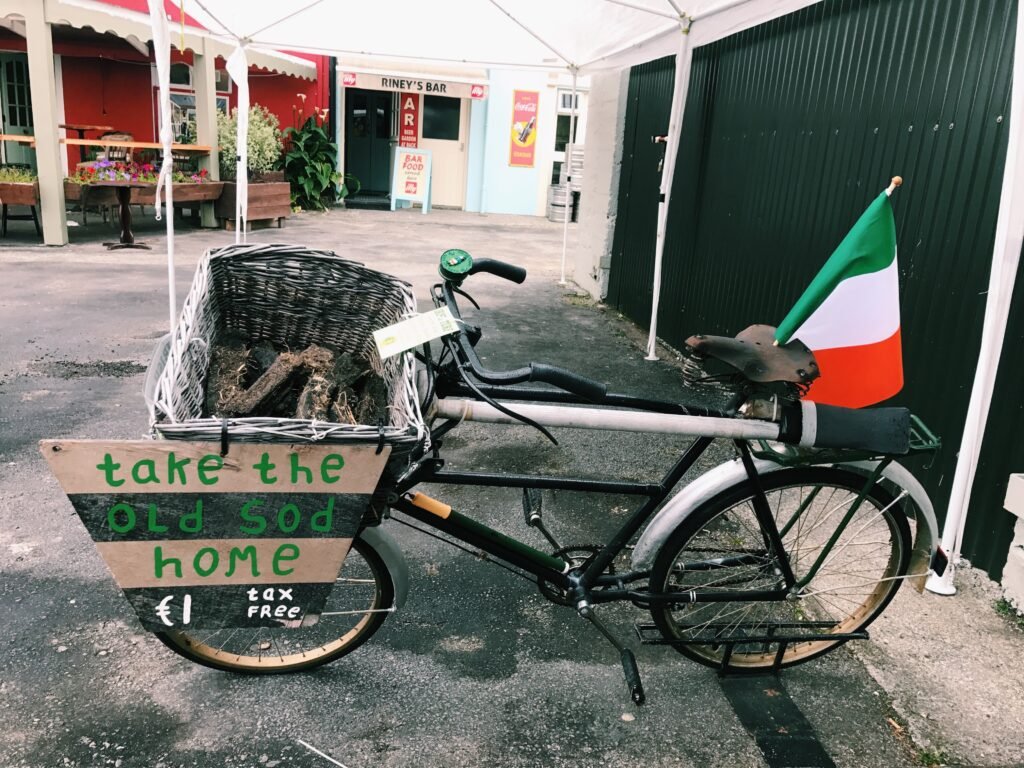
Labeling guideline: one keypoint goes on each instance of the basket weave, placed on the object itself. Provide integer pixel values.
(292, 297)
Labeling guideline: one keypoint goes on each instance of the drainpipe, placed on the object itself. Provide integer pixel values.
(332, 105)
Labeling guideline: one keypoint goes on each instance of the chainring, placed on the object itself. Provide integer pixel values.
(578, 556)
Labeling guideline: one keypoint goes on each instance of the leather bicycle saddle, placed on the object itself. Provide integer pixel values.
(754, 354)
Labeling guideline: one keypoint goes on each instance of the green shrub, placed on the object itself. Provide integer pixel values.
(265, 144)
(310, 165)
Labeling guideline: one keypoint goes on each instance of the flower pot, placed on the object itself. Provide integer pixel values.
(183, 193)
(267, 201)
(19, 193)
(85, 194)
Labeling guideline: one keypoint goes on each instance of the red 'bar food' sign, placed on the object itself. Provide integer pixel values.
(523, 141)
(409, 116)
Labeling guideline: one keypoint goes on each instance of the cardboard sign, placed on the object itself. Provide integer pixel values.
(523, 141)
(409, 120)
(410, 181)
(195, 540)
(382, 81)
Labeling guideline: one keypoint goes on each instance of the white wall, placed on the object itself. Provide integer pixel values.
(590, 261)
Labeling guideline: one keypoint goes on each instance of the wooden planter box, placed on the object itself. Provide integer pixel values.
(77, 193)
(184, 194)
(19, 193)
(267, 201)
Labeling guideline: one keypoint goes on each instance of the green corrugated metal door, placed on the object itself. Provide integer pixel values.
(799, 123)
(649, 101)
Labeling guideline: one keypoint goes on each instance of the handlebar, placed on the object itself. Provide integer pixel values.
(499, 268)
(542, 372)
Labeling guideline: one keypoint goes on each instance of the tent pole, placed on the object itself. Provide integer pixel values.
(1005, 260)
(162, 56)
(238, 70)
(568, 172)
(684, 57)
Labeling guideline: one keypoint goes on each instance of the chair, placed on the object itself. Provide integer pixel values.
(116, 154)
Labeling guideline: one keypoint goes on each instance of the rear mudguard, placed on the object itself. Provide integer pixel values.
(384, 545)
(726, 475)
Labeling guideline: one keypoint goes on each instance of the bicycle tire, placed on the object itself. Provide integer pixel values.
(267, 651)
(846, 598)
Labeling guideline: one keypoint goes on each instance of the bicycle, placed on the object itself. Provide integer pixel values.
(769, 560)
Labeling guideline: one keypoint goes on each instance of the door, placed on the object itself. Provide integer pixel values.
(445, 131)
(16, 102)
(368, 134)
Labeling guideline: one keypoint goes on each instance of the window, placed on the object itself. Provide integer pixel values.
(565, 101)
(562, 131)
(181, 74)
(441, 117)
(222, 81)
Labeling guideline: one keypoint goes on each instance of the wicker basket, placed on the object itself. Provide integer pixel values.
(291, 297)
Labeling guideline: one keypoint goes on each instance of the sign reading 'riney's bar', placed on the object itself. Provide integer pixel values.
(200, 540)
(413, 84)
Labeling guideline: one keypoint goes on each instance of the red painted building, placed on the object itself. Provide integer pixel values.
(105, 80)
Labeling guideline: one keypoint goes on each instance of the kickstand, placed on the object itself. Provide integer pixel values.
(629, 666)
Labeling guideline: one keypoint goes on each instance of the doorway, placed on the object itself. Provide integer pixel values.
(445, 134)
(16, 109)
(368, 138)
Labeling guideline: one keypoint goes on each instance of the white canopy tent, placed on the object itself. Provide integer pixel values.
(585, 37)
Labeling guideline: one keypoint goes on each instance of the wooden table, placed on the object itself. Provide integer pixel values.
(123, 190)
(81, 129)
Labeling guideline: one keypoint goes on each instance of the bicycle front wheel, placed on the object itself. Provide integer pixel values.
(721, 547)
(355, 609)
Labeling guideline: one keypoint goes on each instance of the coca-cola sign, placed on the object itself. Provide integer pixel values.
(523, 139)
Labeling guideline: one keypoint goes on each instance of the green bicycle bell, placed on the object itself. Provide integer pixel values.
(455, 265)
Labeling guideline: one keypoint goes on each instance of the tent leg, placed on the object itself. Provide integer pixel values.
(568, 173)
(1005, 259)
(680, 87)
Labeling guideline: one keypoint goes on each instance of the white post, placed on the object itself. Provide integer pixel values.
(203, 75)
(41, 80)
(162, 55)
(1005, 258)
(238, 69)
(568, 165)
(684, 57)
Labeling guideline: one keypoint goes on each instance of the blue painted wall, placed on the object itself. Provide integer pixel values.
(493, 186)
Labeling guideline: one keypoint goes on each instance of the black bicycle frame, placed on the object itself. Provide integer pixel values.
(556, 571)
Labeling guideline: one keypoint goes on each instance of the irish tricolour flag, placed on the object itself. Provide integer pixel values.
(850, 315)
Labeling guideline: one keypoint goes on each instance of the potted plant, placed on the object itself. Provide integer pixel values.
(18, 186)
(310, 165)
(269, 196)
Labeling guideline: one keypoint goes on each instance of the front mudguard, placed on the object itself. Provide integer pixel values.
(384, 545)
(705, 487)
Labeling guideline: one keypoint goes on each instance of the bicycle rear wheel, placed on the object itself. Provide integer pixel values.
(721, 547)
(355, 609)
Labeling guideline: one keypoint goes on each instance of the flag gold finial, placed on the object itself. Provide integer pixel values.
(896, 181)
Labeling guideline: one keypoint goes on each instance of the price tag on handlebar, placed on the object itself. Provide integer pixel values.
(414, 331)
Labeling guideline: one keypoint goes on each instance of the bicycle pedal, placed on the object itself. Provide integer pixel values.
(632, 674)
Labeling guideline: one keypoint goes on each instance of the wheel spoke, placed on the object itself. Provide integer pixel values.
(850, 587)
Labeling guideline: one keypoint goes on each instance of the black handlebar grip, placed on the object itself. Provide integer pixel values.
(499, 268)
(569, 381)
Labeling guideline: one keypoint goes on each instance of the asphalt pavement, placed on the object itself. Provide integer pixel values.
(478, 669)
